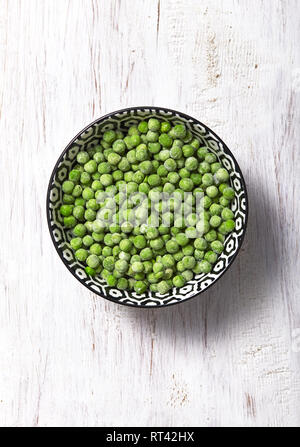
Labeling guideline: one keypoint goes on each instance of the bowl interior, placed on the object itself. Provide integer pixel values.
(89, 137)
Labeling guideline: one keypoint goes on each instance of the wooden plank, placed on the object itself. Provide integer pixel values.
(231, 357)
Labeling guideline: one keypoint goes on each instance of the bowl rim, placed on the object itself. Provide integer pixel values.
(157, 109)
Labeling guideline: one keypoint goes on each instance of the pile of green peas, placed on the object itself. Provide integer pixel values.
(149, 158)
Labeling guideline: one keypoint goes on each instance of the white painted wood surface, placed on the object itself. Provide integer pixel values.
(231, 357)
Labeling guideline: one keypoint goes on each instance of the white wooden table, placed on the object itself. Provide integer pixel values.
(231, 357)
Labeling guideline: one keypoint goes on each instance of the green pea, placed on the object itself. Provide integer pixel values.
(226, 227)
(121, 265)
(85, 178)
(201, 152)
(210, 158)
(109, 263)
(69, 221)
(66, 210)
(89, 226)
(188, 262)
(137, 267)
(217, 246)
(179, 281)
(224, 202)
(82, 157)
(95, 249)
(229, 193)
(222, 175)
(109, 136)
(122, 284)
(133, 130)
(172, 246)
(147, 266)
(204, 167)
(200, 243)
(163, 287)
(207, 201)
(90, 167)
(199, 254)
(113, 159)
(170, 165)
(191, 163)
(195, 143)
(78, 212)
(93, 261)
(154, 180)
(157, 243)
(79, 230)
(88, 193)
(165, 127)
(196, 178)
(88, 240)
(184, 173)
(211, 235)
(139, 242)
(111, 280)
(227, 214)
(215, 221)
(215, 209)
(140, 287)
(153, 124)
(142, 152)
(145, 167)
(152, 136)
(202, 226)
(165, 140)
(90, 215)
(68, 186)
(211, 257)
(188, 150)
(179, 131)
(119, 146)
(74, 175)
(207, 179)
(215, 167)
(81, 254)
(186, 184)
(143, 127)
(76, 243)
(124, 165)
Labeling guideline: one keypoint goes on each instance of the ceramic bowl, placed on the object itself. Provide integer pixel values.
(90, 136)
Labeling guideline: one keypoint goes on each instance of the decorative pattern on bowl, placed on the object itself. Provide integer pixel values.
(90, 136)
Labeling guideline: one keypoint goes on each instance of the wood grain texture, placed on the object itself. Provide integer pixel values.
(231, 357)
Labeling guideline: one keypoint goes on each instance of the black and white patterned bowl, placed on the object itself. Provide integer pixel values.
(88, 137)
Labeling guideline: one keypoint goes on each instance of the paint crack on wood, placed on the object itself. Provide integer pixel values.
(158, 20)
(250, 405)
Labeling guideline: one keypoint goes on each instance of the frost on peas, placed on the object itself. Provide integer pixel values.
(151, 136)
(179, 131)
(154, 124)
